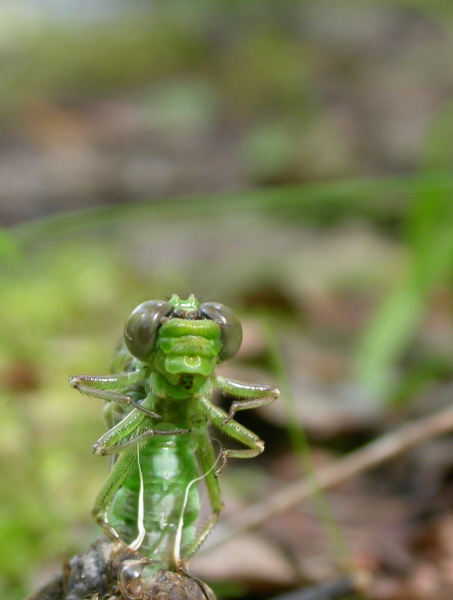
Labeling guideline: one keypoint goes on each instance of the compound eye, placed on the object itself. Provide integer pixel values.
(142, 325)
(230, 327)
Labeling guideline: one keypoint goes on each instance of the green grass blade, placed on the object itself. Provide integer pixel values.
(301, 449)
(429, 232)
(379, 199)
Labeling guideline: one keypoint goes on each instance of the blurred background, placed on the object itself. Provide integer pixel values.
(289, 159)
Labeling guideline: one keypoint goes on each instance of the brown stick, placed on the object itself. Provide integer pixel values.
(371, 455)
(334, 590)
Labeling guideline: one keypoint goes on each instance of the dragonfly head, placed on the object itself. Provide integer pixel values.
(184, 328)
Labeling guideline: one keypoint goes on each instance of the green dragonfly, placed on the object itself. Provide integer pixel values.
(159, 408)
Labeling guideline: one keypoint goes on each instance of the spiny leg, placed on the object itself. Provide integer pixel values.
(126, 427)
(206, 462)
(100, 386)
(99, 448)
(234, 430)
(112, 441)
(114, 481)
(254, 395)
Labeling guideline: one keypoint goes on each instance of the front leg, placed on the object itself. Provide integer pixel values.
(101, 449)
(233, 429)
(253, 394)
(132, 428)
(103, 387)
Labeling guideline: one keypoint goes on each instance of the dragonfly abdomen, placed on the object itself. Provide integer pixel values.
(168, 465)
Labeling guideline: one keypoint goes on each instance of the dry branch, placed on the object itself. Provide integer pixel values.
(369, 456)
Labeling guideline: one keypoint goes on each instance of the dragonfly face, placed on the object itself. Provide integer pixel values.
(189, 346)
(183, 336)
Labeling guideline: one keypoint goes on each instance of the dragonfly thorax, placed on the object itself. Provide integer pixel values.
(179, 387)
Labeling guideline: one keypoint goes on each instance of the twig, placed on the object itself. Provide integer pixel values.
(334, 590)
(371, 455)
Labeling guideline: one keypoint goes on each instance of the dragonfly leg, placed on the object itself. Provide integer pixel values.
(109, 489)
(101, 449)
(207, 464)
(253, 395)
(124, 429)
(254, 445)
(100, 386)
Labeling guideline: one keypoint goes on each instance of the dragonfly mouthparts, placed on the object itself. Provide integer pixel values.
(191, 364)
